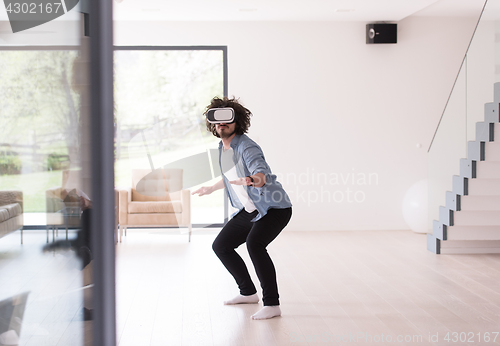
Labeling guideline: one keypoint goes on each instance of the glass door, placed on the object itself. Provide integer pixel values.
(46, 255)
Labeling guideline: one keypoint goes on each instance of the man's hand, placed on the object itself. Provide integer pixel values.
(259, 180)
(242, 181)
(207, 190)
(204, 190)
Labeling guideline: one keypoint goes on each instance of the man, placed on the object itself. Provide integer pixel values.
(264, 208)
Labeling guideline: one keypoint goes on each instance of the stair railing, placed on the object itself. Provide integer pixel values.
(473, 88)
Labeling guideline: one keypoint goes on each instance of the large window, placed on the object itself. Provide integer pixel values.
(41, 124)
(160, 96)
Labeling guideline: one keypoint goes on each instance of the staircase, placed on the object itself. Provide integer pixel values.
(470, 221)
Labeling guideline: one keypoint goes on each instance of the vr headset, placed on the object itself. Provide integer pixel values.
(220, 115)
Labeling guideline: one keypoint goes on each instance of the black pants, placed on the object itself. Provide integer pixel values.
(257, 235)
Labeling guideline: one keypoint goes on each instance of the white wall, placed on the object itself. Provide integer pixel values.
(324, 102)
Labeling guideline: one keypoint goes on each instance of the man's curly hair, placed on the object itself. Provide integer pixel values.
(241, 118)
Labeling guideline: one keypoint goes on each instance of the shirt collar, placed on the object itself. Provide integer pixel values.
(234, 142)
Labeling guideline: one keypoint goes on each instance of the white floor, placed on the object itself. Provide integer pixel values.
(53, 314)
(333, 285)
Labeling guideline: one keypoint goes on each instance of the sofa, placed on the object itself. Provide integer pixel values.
(11, 212)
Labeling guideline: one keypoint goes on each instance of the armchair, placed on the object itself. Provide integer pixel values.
(155, 199)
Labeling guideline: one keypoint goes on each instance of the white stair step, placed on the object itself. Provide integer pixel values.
(476, 218)
(491, 114)
(488, 169)
(469, 246)
(439, 230)
(433, 244)
(445, 215)
(492, 149)
(485, 131)
(483, 187)
(473, 203)
(473, 233)
(460, 185)
(476, 150)
(453, 201)
(468, 168)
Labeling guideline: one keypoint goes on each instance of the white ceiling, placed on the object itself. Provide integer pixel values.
(290, 10)
(284, 10)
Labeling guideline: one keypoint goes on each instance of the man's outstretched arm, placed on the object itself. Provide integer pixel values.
(206, 190)
(259, 180)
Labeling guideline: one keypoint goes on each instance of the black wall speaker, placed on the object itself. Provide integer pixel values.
(381, 33)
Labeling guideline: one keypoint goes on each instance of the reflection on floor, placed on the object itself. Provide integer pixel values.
(366, 287)
(353, 285)
(53, 313)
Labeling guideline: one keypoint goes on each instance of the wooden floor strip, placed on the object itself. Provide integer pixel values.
(336, 288)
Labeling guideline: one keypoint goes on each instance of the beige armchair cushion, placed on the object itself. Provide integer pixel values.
(154, 207)
(155, 198)
(169, 219)
(151, 196)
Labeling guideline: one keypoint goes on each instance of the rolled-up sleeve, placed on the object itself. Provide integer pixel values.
(256, 163)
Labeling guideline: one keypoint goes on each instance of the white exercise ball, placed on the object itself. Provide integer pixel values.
(415, 204)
